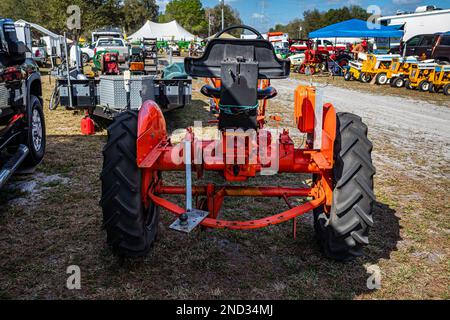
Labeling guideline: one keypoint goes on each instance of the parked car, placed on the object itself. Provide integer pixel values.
(87, 53)
(428, 46)
(301, 46)
(22, 123)
(117, 44)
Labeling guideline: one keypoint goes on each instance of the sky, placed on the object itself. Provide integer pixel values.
(264, 14)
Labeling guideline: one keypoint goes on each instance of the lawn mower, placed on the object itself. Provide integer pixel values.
(420, 75)
(370, 67)
(337, 154)
(377, 66)
(399, 71)
(107, 62)
(441, 79)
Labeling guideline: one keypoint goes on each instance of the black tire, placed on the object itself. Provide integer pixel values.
(348, 76)
(343, 233)
(381, 78)
(446, 89)
(424, 86)
(34, 135)
(399, 82)
(365, 78)
(433, 88)
(131, 229)
(408, 85)
(85, 58)
(55, 99)
(392, 81)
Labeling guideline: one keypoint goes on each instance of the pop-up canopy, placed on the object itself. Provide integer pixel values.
(163, 31)
(355, 28)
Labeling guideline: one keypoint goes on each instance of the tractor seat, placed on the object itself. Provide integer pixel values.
(263, 94)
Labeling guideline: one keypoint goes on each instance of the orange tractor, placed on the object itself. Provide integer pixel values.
(337, 154)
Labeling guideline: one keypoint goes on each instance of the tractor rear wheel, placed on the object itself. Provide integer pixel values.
(381, 78)
(446, 89)
(392, 81)
(408, 85)
(130, 227)
(344, 231)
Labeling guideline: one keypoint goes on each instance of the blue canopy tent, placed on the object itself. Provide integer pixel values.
(355, 28)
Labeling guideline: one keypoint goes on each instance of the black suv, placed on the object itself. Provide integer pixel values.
(22, 127)
(428, 46)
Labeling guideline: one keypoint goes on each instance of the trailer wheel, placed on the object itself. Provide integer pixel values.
(381, 78)
(34, 136)
(344, 231)
(131, 228)
(424, 86)
(446, 89)
(365, 77)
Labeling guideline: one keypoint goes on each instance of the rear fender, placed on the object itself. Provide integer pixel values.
(151, 129)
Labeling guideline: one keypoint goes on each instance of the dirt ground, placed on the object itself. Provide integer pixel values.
(51, 219)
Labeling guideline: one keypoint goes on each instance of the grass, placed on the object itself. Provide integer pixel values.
(38, 241)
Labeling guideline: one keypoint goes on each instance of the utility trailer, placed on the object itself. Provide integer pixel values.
(22, 126)
(106, 96)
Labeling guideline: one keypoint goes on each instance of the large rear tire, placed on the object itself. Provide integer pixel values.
(131, 228)
(381, 78)
(344, 231)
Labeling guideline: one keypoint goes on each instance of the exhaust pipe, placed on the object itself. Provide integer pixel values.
(13, 164)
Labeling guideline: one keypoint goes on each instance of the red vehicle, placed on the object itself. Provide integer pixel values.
(324, 45)
(337, 154)
(319, 60)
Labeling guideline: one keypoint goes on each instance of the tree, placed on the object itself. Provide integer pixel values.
(292, 28)
(137, 12)
(189, 13)
(314, 19)
(231, 18)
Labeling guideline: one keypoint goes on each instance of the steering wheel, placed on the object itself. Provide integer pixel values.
(259, 35)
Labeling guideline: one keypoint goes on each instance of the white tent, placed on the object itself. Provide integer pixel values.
(163, 31)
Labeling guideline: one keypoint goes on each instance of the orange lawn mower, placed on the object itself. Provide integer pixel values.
(337, 154)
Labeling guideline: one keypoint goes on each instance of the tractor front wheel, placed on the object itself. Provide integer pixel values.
(424, 86)
(399, 82)
(446, 89)
(365, 77)
(130, 227)
(344, 230)
(348, 76)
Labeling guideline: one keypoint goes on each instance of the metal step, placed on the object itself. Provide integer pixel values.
(189, 220)
(13, 164)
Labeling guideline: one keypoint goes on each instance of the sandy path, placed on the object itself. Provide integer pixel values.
(416, 134)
